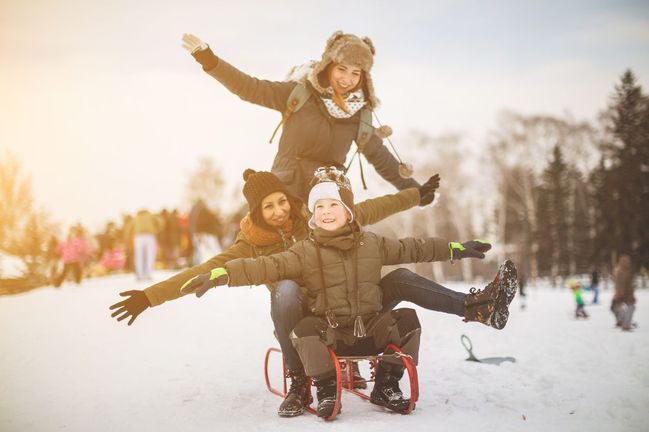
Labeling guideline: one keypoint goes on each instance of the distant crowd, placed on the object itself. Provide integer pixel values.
(139, 244)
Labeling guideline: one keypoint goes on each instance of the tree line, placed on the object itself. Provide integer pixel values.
(559, 196)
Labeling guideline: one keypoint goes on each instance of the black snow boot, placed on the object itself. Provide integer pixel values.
(326, 390)
(298, 396)
(386, 391)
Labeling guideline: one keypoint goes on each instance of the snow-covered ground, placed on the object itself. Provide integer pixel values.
(196, 365)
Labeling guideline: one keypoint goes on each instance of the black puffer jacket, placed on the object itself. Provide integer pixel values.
(311, 137)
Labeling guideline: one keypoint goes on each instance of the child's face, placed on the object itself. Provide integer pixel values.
(330, 214)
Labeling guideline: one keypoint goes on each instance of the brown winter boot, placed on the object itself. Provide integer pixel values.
(298, 396)
(491, 305)
(479, 305)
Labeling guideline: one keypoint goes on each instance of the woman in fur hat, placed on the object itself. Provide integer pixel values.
(322, 130)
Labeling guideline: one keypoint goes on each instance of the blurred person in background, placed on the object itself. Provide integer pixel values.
(580, 309)
(594, 285)
(623, 303)
(75, 252)
(52, 258)
(143, 230)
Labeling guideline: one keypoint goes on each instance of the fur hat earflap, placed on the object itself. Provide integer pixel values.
(300, 72)
(349, 49)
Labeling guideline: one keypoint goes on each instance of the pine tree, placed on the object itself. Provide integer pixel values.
(555, 184)
(579, 225)
(627, 177)
(542, 236)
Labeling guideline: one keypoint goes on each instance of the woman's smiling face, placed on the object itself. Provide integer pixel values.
(275, 209)
(344, 78)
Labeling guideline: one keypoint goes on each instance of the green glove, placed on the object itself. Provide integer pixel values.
(199, 284)
(470, 249)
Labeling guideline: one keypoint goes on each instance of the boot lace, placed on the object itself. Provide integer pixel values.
(298, 383)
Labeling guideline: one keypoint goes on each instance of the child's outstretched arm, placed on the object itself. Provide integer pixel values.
(270, 94)
(249, 271)
(411, 250)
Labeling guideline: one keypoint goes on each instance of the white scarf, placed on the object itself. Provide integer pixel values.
(354, 101)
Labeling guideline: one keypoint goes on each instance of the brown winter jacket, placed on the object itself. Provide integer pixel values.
(624, 292)
(144, 223)
(311, 137)
(367, 212)
(351, 276)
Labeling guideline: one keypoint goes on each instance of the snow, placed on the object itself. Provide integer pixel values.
(11, 267)
(196, 365)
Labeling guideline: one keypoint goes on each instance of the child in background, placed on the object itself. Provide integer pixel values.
(580, 311)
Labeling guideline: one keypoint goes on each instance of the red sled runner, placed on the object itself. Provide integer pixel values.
(347, 382)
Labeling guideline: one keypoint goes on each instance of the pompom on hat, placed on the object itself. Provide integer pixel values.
(330, 182)
(348, 49)
(260, 184)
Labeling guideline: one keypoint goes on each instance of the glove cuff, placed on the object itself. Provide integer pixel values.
(455, 246)
(219, 272)
(206, 58)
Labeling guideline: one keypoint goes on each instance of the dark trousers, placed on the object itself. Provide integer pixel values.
(288, 307)
(75, 267)
(312, 337)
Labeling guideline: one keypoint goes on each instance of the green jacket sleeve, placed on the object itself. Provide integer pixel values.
(270, 94)
(413, 250)
(374, 210)
(170, 288)
(267, 269)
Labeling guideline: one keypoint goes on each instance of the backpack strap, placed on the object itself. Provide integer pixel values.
(298, 97)
(365, 131)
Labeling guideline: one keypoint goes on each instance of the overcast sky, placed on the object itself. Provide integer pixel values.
(108, 114)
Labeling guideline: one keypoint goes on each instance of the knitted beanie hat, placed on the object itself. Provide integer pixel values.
(348, 49)
(330, 182)
(260, 184)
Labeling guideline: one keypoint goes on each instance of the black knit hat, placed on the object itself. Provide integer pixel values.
(260, 184)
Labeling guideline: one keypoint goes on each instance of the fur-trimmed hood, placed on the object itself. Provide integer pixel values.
(341, 48)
